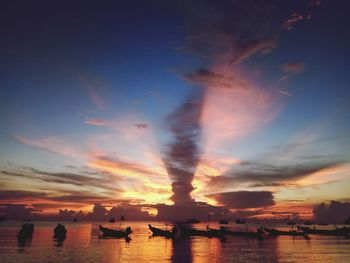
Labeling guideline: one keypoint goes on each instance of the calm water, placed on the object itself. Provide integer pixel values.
(83, 245)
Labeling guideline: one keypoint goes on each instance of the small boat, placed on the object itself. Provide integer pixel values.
(59, 232)
(258, 234)
(26, 231)
(111, 220)
(187, 232)
(308, 223)
(275, 232)
(326, 232)
(107, 232)
(162, 233)
(75, 220)
(223, 222)
(240, 221)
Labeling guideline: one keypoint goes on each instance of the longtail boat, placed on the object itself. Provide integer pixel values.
(224, 231)
(107, 232)
(275, 232)
(26, 231)
(186, 232)
(163, 233)
(59, 232)
(326, 232)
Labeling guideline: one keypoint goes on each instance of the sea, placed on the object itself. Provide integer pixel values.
(84, 244)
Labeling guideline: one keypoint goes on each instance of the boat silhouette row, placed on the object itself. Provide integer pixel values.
(182, 231)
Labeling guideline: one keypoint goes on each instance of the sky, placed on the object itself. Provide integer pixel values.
(235, 108)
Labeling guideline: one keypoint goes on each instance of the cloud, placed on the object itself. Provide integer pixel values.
(15, 211)
(268, 175)
(232, 29)
(294, 19)
(94, 87)
(99, 122)
(292, 69)
(244, 199)
(87, 178)
(336, 212)
(182, 154)
(52, 144)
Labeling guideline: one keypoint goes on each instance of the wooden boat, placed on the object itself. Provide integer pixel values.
(240, 221)
(26, 231)
(258, 234)
(275, 232)
(163, 233)
(326, 232)
(107, 232)
(186, 232)
(59, 232)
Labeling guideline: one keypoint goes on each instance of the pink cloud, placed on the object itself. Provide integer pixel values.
(294, 19)
(99, 122)
(292, 69)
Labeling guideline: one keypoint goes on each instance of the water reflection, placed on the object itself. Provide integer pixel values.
(59, 241)
(83, 245)
(181, 251)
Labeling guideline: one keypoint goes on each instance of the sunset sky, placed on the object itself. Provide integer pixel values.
(239, 104)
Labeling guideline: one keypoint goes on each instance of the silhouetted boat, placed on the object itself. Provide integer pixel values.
(308, 223)
(75, 220)
(111, 220)
(26, 231)
(223, 222)
(192, 221)
(163, 233)
(107, 232)
(275, 232)
(59, 232)
(187, 232)
(326, 232)
(240, 221)
(258, 234)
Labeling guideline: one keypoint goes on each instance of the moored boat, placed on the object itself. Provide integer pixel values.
(60, 232)
(163, 233)
(26, 231)
(276, 232)
(186, 232)
(107, 232)
(326, 232)
(258, 234)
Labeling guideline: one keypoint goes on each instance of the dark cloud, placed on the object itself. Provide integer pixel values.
(84, 178)
(182, 154)
(15, 211)
(261, 175)
(236, 29)
(336, 212)
(244, 199)
(205, 77)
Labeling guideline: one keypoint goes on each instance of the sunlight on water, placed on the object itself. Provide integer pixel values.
(84, 245)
